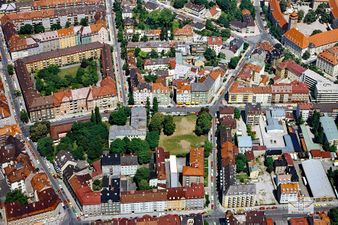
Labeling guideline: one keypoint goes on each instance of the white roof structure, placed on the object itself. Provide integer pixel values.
(317, 179)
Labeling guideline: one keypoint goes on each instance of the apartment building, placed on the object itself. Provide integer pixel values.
(298, 43)
(276, 16)
(194, 172)
(185, 198)
(323, 90)
(87, 200)
(290, 69)
(159, 64)
(65, 102)
(50, 16)
(239, 196)
(328, 61)
(288, 192)
(129, 165)
(111, 164)
(159, 46)
(143, 90)
(110, 195)
(197, 10)
(46, 209)
(184, 34)
(253, 114)
(204, 91)
(143, 201)
(240, 93)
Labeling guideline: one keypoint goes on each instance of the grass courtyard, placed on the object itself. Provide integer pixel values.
(184, 137)
(71, 70)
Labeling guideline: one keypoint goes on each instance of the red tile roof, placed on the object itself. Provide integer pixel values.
(215, 41)
(196, 161)
(330, 55)
(292, 66)
(277, 14)
(48, 201)
(143, 196)
(84, 194)
(184, 31)
(334, 8)
(297, 37)
(160, 156)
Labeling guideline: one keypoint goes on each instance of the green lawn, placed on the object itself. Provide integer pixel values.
(69, 70)
(184, 137)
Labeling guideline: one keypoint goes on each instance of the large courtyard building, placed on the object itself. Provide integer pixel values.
(67, 101)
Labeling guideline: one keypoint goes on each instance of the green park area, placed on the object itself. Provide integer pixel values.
(71, 70)
(183, 138)
(53, 78)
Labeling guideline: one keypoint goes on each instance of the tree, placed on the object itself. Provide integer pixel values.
(269, 164)
(178, 4)
(131, 99)
(310, 17)
(135, 38)
(233, 62)
(156, 122)
(137, 52)
(153, 138)
(241, 163)
(210, 54)
(142, 174)
(10, 69)
(247, 4)
(300, 15)
(153, 54)
(16, 196)
(39, 28)
(39, 130)
(148, 108)
(207, 148)
(118, 146)
(144, 38)
(203, 122)
(68, 24)
(325, 18)
(333, 148)
(316, 32)
(98, 118)
(333, 214)
(26, 29)
(84, 22)
(169, 125)
(57, 26)
(97, 185)
(119, 116)
(155, 106)
(283, 5)
(24, 116)
(201, 2)
(45, 147)
(237, 114)
(306, 55)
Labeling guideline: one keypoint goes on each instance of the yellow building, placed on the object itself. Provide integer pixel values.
(67, 37)
(63, 57)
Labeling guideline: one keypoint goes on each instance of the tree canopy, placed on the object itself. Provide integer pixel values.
(46, 148)
(141, 178)
(39, 130)
(16, 196)
(169, 125)
(203, 122)
(119, 116)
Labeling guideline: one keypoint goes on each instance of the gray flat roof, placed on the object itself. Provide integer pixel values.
(329, 127)
(317, 179)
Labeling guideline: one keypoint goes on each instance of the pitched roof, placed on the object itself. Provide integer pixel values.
(184, 31)
(292, 66)
(65, 32)
(297, 37)
(324, 38)
(277, 14)
(48, 201)
(334, 8)
(143, 196)
(40, 181)
(330, 55)
(85, 196)
(196, 163)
